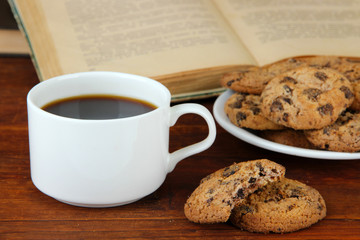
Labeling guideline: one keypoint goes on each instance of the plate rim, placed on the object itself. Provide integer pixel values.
(246, 136)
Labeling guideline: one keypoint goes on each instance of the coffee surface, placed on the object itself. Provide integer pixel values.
(97, 107)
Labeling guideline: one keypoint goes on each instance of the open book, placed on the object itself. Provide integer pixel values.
(186, 45)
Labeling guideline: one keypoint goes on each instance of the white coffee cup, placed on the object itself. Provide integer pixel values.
(103, 163)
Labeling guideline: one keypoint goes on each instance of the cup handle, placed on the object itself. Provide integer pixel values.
(181, 109)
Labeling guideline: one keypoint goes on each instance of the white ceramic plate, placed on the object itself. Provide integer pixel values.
(253, 139)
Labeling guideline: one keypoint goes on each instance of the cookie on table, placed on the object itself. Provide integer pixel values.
(280, 207)
(306, 97)
(253, 81)
(342, 136)
(290, 137)
(217, 194)
(243, 110)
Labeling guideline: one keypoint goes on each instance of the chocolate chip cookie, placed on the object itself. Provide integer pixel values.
(306, 97)
(217, 194)
(243, 110)
(279, 207)
(342, 136)
(254, 80)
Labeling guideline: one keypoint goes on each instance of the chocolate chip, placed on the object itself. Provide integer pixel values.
(321, 76)
(294, 196)
(326, 110)
(245, 209)
(261, 169)
(259, 190)
(312, 93)
(240, 193)
(343, 119)
(240, 116)
(349, 71)
(279, 195)
(295, 193)
(210, 200)
(252, 180)
(228, 202)
(288, 100)
(258, 165)
(285, 117)
(276, 106)
(291, 207)
(251, 103)
(320, 206)
(347, 92)
(229, 83)
(237, 104)
(229, 171)
(242, 96)
(224, 182)
(287, 89)
(288, 79)
(255, 110)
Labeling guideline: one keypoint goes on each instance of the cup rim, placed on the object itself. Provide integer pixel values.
(66, 77)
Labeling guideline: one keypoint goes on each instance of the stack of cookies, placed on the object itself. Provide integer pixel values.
(309, 102)
(255, 196)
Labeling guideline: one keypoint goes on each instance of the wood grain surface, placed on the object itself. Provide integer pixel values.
(26, 213)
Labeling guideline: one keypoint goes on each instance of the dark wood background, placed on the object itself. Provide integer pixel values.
(26, 213)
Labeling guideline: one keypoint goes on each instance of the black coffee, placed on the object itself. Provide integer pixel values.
(98, 107)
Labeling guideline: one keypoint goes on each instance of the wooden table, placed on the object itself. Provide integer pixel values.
(26, 213)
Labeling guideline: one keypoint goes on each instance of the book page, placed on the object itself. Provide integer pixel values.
(145, 37)
(278, 29)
